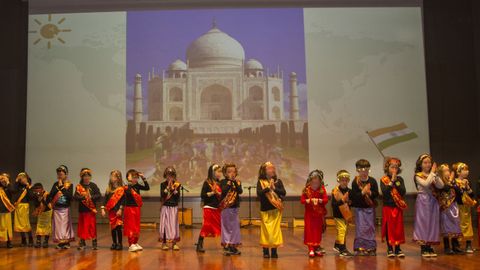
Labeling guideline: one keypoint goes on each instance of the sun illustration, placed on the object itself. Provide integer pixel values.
(49, 31)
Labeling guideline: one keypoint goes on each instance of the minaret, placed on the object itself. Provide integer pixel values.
(137, 105)
(294, 113)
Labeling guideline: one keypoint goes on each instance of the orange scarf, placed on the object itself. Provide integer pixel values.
(397, 198)
(136, 196)
(116, 196)
(88, 200)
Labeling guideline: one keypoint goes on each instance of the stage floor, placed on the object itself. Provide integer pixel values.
(292, 256)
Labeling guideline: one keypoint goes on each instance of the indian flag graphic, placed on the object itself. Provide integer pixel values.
(388, 136)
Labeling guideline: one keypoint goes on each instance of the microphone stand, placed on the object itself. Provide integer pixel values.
(183, 209)
(249, 206)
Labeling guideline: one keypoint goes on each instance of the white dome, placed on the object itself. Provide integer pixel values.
(215, 49)
(253, 64)
(177, 65)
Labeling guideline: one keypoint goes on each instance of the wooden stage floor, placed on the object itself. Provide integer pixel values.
(293, 255)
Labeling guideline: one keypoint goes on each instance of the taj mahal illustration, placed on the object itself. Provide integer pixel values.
(216, 91)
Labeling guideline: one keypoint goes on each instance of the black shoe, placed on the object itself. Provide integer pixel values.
(114, 246)
(24, 242)
(200, 245)
(399, 253)
(119, 247)
(94, 244)
(468, 247)
(456, 247)
(336, 248)
(45, 244)
(38, 244)
(274, 253)
(234, 251)
(432, 252)
(81, 245)
(66, 246)
(9, 244)
(227, 251)
(266, 253)
(346, 253)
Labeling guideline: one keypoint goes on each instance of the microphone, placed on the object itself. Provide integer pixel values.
(183, 188)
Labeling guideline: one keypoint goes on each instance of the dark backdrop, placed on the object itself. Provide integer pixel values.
(452, 52)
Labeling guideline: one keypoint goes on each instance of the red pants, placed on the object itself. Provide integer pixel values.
(211, 223)
(87, 226)
(131, 221)
(392, 225)
(114, 219)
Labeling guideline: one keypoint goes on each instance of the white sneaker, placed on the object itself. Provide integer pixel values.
(132, 248)
(138, 247)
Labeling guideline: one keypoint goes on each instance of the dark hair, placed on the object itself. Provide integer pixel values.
(62, 168)
(211, 171)
(418, 163)
(362, 163)
(418, 166)
(170, 170)
(132, 172)
(24, 174)
(315, 173)
(262, 172)
(389, 161)
(229, 165)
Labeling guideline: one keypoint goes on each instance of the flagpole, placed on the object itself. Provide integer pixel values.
(376, 146)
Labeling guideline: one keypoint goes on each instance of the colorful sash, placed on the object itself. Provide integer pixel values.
(466, 199)
(272, 196)
(59, 193)
(116, 196)
(214, 186)
(344, 208)
(41, 208)
(171, 189)
(366, 197)
(88, 200)
(24, 193)
(6, 201)
(397, 198)
(136, 196)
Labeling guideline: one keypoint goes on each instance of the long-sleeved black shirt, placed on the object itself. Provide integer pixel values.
(459, 192)
(120, 202)
(8, 191)
(174, 196)
(38, 201)
(226, 185)
(213, 200)
(399, 184)
(265, 204)
(129, 199)
(358, 199)
(335, 204)
(18, 189)
(66, 199)
(94, 195)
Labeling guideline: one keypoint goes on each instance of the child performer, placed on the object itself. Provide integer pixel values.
(169, 231)
(210, 194)
(133, 203)
(61, 197)
(230, 203)
(341, 212)
(449, 222)
(465, 201)
(21, 219)
(6, 209)
(271, 192)
(314, 197)
(393, 190)
(87, 193)
(426, 230)
(364, 194)
(114, 201)
(43, 212)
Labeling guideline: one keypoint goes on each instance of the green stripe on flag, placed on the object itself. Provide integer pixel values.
(395, 140)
